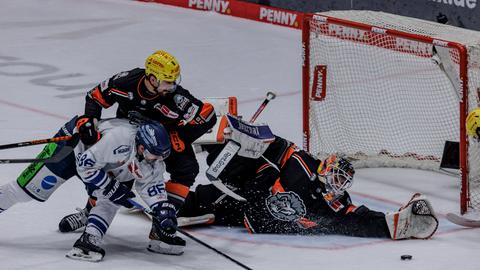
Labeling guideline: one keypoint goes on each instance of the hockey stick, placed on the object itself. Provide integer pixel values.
(228, 152)
(149, 213)
(270, 96)
(63, 153)
(35, 142)
(463, 221)
(214, 249)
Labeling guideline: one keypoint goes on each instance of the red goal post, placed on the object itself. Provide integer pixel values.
(388, 90)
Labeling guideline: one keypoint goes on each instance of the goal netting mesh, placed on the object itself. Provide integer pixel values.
(388, 90)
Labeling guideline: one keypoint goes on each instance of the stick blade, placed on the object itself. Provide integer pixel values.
(463, 221)
(198, 220)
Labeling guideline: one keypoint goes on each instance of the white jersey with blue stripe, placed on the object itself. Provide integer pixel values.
(115, 156)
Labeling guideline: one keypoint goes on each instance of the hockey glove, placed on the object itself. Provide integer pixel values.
(118, 193)
(137, 118)
(87, 130)
(166, 217)
(416, 219)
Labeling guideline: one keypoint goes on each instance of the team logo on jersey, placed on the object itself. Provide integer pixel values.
(121, 149)
(181, 101)
(166, 111)
(286, 206)
(191, 112)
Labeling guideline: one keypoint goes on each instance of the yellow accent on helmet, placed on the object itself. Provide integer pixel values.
(473, 123)
(337, 174)
(163, 66)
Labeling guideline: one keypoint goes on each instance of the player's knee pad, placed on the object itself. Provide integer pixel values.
(39, 182)
(11, 194)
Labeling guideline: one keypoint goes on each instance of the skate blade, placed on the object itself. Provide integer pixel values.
(164, 248)
(78, 254)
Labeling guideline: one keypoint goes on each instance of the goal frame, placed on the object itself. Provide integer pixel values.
(463, 78)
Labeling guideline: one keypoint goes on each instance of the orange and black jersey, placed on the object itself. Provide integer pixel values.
(129, 91)
(286, 196)
(185, 117)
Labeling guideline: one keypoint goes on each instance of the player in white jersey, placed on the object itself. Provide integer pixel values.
(126, 156)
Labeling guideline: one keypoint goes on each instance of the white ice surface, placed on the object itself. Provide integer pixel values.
(84, 42)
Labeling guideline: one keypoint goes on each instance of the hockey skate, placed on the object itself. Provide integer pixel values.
(74, 221)
(86, 249)
(162, 241)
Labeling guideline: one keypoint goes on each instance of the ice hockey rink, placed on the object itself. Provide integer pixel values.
(53, 51)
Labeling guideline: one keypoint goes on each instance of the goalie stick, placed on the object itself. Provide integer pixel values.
(181, 221)
(148, 212)
(228, 152)
(463, 221)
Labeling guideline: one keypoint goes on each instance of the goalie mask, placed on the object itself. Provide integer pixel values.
(338, 174)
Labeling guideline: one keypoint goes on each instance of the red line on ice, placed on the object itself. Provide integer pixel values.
(30, 109)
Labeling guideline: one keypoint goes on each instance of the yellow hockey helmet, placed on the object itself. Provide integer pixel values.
(163, 66)
(473, 123)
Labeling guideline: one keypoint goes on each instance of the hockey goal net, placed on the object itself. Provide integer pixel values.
(389, 90)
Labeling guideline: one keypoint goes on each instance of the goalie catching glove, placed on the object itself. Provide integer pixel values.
(416, 219)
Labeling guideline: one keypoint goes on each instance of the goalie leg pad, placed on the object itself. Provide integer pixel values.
(254, 139)
(416, 219)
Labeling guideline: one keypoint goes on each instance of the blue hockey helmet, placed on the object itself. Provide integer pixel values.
(155, 140)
